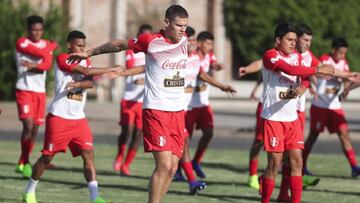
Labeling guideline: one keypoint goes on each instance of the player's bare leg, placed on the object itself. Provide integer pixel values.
(133, 147)
(253, 163)
(272, 169)
(165, 167)
(349, 151)
(309, 143)
(200, 151)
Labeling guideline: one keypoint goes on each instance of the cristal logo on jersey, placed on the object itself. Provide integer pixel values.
(174, 64)
(77, 96)
(289, 94)
(176, 81)
(274, 141)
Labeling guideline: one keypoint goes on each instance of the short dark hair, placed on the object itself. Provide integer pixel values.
(205, 35)
(75, 34)
(176, 11)
(339, 42)
(33, 19)
(303, 29)
(145, 27)
(190, 31)
(283, 28)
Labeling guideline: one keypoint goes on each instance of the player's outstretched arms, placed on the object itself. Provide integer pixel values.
(109, 47)
(253, 67)
(85, 84)
(133, 71)
(98, 71)
(207, 78)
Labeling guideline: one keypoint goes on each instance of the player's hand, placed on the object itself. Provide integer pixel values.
(313, 93)
(242, 72)
(354, 77)
(28, 64)
(218, 67)
(253, 95)
(229, 89)
(325, 69)
(139, 81)
(77, 57)
(299, 91)
(71, 85)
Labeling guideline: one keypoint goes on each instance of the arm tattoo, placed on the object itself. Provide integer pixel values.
(110, 47)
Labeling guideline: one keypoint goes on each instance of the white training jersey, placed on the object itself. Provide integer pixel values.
(193, 69)
(279, 104)
(27, 80)
(68, 104)
(164, 71)
(328, 87)
(134, 86)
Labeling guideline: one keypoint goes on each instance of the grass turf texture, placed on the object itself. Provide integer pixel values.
(226, 172)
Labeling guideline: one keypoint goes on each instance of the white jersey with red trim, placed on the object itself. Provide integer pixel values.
(202, 95)
(164, 71)
(193, 69)
(328, 87)
(279, 104)
(27, 80)
(68, 104)
(134, 85)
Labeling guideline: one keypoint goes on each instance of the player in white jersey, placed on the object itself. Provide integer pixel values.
(164, 96)
(204, 112)
(66, 125)
(33, 60)
(282, 72)
(131, 110)
(194, 72)
(326, 110)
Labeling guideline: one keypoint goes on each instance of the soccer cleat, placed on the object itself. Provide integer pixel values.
(125, 171)
(253, 182)
(307, 172)
(355, 171)
(196, 186)
(179, 176)
(19, 168)
(100, 200)
(198, 170)
(117, 164)
(29, 197)
(261, 179)
(27, 170)
(310, 181)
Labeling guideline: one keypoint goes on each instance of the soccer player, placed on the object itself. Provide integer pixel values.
(193, 72)
(205, 42)
(33, 59)
(131, 110)
(282, 69)
(326, 110)
(66, 125)
(164, 96)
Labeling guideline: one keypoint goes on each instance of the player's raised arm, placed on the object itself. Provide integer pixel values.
(207, 78)
(253, 67)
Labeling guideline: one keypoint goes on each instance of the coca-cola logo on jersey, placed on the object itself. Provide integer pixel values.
(286, 80)
(174, 64)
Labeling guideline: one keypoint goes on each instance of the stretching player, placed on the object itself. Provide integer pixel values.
(131, 110)
(66, 125)
(33, 59)
(326, 110)
(164, 96)
(205, 41)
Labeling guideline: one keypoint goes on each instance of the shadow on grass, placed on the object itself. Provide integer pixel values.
(334, 192)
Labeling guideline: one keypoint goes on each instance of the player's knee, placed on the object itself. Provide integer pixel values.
(296, 164)
(28, 125)
(165, 167)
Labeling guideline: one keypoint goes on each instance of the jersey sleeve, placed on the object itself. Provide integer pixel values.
(346, 66)
(273, 62)
(23, 46)
(141, 44)
(212, 58)
(63, 64)
(314, 61)
(130, 61)
(46, 63)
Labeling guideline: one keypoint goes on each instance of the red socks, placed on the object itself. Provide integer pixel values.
(253, 167)
(188, 171)
(296, 188)
(27, 146)
(121, 152)
(350, 155)
(285, 181)
(267, 189)
(130, 157)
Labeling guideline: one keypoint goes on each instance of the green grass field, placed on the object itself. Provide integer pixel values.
(226, 171)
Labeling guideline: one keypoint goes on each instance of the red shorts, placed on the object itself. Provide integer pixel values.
(164, 131)
(302, 118)
(259, 128)
(131, 113)
(202, 117)
(334, 120)
(280, 136)
(31, 105)
(61, 133)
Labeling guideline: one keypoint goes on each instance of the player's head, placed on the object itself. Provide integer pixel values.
(339, 48)
(192, 45)
(176, 21)
(145, 28)
(205, 42)
(76, 42)
(285, 37)
(35, 27)
(304, 35)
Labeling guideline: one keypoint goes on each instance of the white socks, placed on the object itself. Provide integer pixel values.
(31, 185)
(93, 189)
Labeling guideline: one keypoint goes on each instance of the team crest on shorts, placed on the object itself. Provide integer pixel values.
(274, 141)
(162, 141)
